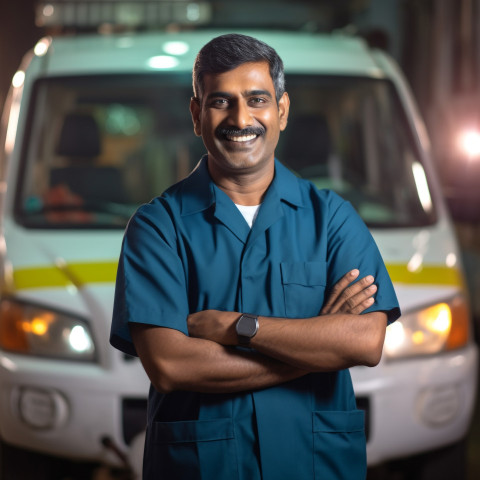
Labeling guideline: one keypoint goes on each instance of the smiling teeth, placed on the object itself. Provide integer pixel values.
(243, 138)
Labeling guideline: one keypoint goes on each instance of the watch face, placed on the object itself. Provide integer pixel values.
(247, 326)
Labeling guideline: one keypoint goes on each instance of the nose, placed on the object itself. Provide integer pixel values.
(240, 115)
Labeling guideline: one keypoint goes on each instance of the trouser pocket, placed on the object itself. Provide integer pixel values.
(192, 450)
(339, 445)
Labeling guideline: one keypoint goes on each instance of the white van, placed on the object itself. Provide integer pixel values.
(95, 125)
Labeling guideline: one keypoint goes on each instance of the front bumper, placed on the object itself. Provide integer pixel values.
(417, 405)
(73, 410)
(413, 405)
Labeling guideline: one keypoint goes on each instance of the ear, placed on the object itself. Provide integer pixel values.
(283, 109)
(195, 110)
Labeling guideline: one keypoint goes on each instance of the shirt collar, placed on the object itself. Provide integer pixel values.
(198, 191)
(287, 185)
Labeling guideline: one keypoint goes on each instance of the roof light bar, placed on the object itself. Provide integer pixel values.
(138, 13)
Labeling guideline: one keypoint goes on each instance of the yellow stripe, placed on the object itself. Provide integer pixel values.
(425, 275)
(63, 275)
(80, 274)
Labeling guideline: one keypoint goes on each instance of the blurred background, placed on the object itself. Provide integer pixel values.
(435, 42)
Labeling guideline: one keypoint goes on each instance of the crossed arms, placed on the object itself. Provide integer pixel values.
(282, 350)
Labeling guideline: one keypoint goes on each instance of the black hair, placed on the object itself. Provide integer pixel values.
(227, 52)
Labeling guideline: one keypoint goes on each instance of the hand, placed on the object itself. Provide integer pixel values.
(350, 299)
(214, 325)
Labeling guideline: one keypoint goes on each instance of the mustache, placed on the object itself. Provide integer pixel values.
(236, 132)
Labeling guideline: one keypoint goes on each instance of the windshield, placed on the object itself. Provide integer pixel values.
(351, 135)
(97, 147)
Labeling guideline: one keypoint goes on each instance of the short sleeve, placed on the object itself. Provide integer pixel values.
(351, 245)
(150, 286)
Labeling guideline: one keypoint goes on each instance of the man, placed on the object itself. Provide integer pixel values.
(248, 363)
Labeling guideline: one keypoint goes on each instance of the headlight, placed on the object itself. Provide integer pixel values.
(440, 327)
(31, 330)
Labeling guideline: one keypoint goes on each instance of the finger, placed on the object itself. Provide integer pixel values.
(348, 298)
(353, 301)
(357, 287)
(361, 307)
(338, 288)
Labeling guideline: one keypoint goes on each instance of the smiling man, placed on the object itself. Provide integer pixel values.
(235, 290)
(240, 121)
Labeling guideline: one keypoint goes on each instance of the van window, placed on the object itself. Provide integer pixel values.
(351, 135)
(97, 147)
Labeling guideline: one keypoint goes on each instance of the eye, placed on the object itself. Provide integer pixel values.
(257, 101)
(219, 103)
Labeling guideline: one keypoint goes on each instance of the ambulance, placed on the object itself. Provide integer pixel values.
(96, 125)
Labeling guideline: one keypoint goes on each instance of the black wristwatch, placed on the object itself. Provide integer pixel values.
(246, 327)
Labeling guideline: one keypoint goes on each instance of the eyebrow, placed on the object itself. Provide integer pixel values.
(253, 93)
(248, 93)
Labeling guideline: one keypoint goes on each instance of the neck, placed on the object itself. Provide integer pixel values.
(244, 188)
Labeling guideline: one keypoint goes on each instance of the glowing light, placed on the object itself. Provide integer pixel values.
(469, 143)
(162, 62)
(48, 10)
(193, 12)
(422, 186)
(451, 260)
(439, 319)
(18, 79)
(427, 331)
(79, 339)
(41, 48)
(176, 48)
(418, 337)
(415, 263)
(12, 125)
(39, 326)
(395, 336)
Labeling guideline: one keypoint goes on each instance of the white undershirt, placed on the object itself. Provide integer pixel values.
(249, 212)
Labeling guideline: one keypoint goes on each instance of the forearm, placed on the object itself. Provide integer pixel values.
(341, 337)
(210, 367)
(324, 343)
(174, 361)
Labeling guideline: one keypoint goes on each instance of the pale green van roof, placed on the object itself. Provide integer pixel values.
(301, 52)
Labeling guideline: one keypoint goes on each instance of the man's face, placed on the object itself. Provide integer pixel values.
(239, 119)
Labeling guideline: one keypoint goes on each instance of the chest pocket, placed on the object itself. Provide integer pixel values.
(303, 288)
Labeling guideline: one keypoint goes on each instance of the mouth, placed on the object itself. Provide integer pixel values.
(240, 139)
(246, 135)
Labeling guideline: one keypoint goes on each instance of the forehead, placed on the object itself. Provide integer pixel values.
(248, 76)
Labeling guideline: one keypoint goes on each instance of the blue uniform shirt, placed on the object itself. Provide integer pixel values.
(191, 250)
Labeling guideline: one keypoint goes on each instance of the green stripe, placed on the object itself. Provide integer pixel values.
(425, 275)
(77, 274)
(80, 274)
